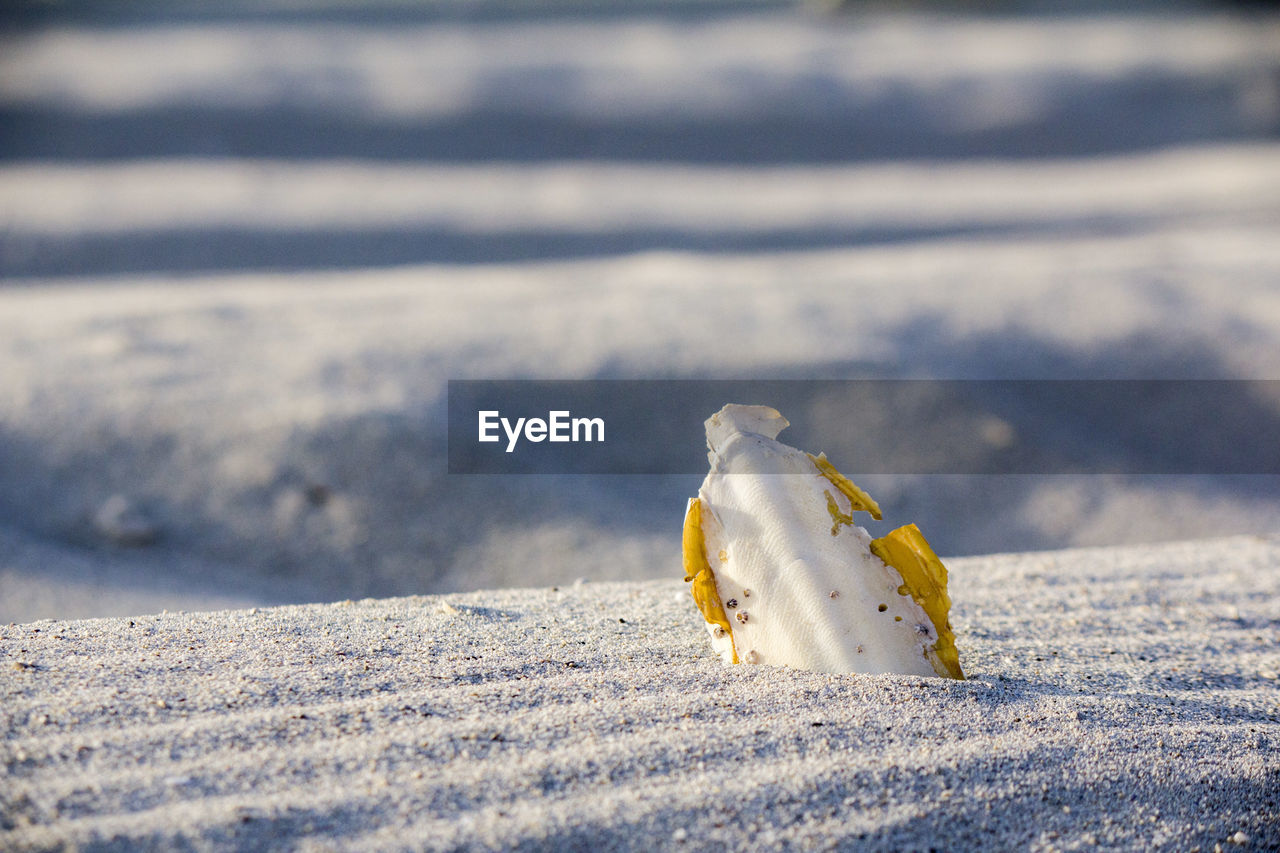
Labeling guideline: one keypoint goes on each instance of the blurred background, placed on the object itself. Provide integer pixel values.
(244, 246)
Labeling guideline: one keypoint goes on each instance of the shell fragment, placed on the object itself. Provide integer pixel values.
(782, 574)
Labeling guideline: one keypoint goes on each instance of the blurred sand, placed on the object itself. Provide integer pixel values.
(242, 255)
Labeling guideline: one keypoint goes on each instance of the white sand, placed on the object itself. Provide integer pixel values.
(216, 402)
(242, 253)
(1118, 698)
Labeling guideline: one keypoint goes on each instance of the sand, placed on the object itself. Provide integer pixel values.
(1118, 698)
(218, 403)
(244, 247)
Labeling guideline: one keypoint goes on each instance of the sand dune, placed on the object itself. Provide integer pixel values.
(243, 251)
(284, 434)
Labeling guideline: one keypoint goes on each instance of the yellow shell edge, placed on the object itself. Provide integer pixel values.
(698, 570)
(837, 517)
(859, 499)
(925, 580)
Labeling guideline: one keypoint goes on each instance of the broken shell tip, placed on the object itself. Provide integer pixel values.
(738, 418)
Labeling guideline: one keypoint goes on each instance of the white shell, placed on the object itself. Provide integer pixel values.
(811, 600)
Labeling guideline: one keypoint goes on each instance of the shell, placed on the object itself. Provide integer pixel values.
(782, 574)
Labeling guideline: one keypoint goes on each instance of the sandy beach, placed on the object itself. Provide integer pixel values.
(245, 247)
(244, 250)
(1117, 698)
